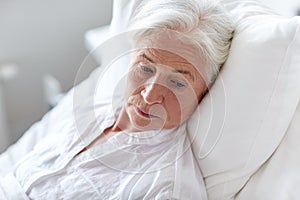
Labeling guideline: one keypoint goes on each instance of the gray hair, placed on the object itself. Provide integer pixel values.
(204, 22)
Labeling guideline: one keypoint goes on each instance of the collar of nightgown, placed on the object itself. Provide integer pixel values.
(105, 118)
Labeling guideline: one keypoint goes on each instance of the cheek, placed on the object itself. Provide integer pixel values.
(134, 83)
(173, 108)
(187, 103)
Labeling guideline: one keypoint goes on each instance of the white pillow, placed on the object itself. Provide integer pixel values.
(239, 124)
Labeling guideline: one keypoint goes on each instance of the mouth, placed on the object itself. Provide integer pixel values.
(144, 113)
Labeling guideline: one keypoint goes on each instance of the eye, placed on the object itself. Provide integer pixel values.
(178, 84)
(146, 69)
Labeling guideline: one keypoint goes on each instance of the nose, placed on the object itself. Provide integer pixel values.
(153, 93)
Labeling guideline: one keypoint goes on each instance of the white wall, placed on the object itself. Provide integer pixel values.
(43, 37)
(3, 122)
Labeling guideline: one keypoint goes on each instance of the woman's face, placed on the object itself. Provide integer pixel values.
(163, 90)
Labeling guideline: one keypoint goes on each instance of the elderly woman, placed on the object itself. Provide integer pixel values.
(141, 151)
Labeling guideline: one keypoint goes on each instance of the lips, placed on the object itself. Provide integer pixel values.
(144, 112)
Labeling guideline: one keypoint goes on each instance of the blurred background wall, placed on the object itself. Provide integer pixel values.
(39, 38)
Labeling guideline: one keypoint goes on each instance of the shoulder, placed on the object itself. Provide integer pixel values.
(189, 183)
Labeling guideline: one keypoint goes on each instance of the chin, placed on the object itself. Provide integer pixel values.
(171, 126)
(147, 126)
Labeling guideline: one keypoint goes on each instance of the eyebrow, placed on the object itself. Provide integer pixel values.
(184, 72)
(147, 58)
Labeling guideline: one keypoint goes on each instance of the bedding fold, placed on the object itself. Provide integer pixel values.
(10, 189)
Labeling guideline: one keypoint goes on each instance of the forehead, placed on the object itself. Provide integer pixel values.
(166, 58)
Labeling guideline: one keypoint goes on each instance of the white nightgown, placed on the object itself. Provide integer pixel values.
(145, 165)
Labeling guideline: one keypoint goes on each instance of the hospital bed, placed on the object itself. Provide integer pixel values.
(245, 133)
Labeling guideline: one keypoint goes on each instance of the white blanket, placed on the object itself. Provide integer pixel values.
(10, 189)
